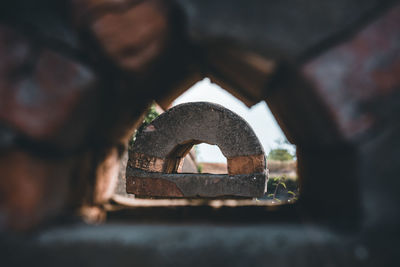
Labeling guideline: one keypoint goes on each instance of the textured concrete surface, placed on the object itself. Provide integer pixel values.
(143, 183)
(202, 122)
(122, 244)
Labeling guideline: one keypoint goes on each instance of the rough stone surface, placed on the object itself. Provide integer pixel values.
(152, 187)
(202, 122)
(195, 185)
(201, 244)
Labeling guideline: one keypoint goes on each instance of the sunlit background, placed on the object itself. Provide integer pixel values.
(259, 117)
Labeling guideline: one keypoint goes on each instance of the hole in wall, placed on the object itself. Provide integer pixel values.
(204, 158)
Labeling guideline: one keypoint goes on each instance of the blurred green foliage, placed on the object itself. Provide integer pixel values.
(199, 168)
(148, 118)
(282, 189)
(280, 154)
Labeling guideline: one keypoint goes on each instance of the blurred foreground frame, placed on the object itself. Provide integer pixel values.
(76, 77)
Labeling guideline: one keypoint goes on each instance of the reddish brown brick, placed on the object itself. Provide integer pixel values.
(145, 162)
(246, 164)
(135, 37)
(41, 90)
(32, 189)
(152, 187)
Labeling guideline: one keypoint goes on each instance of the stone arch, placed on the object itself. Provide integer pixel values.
(163, 143)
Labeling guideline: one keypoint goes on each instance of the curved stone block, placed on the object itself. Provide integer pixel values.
(158, 151)
(173, 133)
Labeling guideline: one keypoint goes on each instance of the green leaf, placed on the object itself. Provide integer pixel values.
(292, 193)
(283, 184)
(270, 195)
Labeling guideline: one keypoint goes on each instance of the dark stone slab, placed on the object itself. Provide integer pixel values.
(139, 182)
(268, 26)
(154, 244)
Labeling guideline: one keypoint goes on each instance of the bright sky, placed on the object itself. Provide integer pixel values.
(259, 117)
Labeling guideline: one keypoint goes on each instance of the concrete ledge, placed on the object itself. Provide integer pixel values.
(142, 183)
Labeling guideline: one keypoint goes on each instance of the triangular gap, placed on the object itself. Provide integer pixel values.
(258, 116)
(264, 125)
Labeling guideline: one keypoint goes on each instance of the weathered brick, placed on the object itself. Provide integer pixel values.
(41, 90)
(134, 36)
(246, 164)
(32, 190)
(145, 162)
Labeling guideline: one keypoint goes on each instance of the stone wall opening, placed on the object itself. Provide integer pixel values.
(283, 187)
(75, 74)
(210, 159)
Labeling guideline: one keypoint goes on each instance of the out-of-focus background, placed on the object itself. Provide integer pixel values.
(258, 116)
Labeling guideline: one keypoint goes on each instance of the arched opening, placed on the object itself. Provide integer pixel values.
(176, 157)
(204, 158)
(188, 158)
(195, 156)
